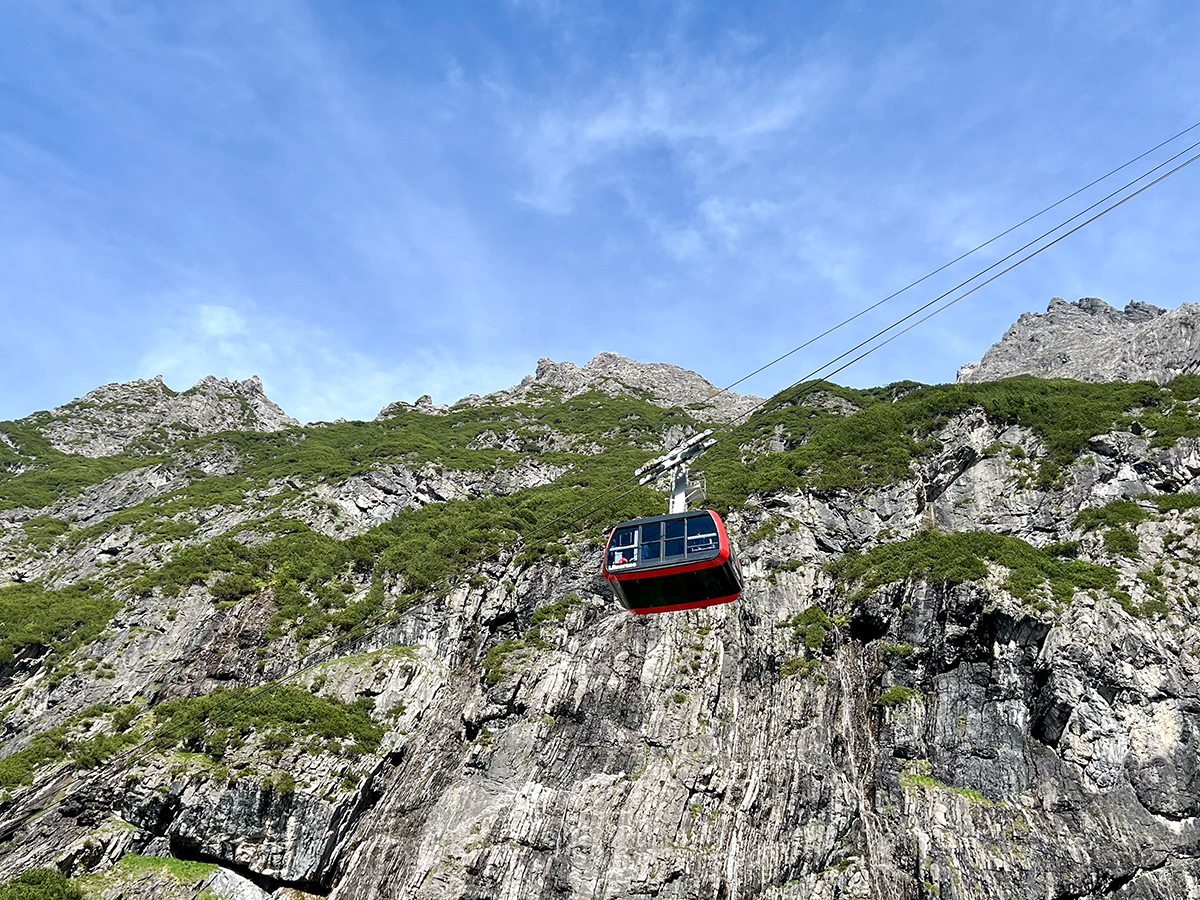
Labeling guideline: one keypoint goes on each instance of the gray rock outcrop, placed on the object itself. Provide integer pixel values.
(146, 414)
(611, 373)
(1088, 340)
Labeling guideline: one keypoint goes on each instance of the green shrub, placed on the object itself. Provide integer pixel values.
(280, 714)
(58, 744)
(1064, 549)
(41, 884)
(233, 588)
(61, 619)
(556, 611)
(897, 695)
(1178, 502)
(770, 527)
(496, 657)
(43, 531)
(798, 665)
(1112, 515)
(934, 556)
(1122, 541)
(810, 627)
(45, 748)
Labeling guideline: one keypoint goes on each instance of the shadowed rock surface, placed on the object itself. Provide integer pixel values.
(1088, 340)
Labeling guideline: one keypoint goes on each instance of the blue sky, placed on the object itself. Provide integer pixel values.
(369, 201)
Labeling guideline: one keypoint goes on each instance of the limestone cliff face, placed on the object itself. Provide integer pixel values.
(144, 415)
(1091, 341)
(976, 679)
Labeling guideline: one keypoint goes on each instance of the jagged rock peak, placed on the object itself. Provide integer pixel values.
(1088, 340)
(138, 415)
(424, 405)
(612, 373)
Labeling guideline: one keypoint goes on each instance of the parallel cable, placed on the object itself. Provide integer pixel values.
(1003, 271)
(979, 274)
(977, 287)
(957, 259)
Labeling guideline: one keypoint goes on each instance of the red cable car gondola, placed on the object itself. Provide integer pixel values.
(677, 561)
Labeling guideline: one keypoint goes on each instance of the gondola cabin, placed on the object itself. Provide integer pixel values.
(677, 561)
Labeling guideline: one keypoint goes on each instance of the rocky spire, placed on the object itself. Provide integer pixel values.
(1089, 340)
(660, 383)
(139, 415)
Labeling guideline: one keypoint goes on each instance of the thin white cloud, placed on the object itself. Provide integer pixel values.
(707, 112)
(308, 371)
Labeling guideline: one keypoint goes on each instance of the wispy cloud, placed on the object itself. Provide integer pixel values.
(707, 113)
(309, 371)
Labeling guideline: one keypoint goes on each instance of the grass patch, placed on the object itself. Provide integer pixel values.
(60, 620)
(913, 782)
(954, 558)
(182, 870)
(41, 884)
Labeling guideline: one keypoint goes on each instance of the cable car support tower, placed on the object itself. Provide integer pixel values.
(683, 492)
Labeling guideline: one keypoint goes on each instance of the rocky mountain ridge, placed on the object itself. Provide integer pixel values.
(611, 373)
(963, 665)
(146, 415)
(1089, 340)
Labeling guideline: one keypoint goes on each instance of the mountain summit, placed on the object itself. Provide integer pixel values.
(1088, 340)
(146, 415)
(662, 384)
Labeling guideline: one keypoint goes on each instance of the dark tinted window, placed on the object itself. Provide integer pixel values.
(651, 551)
(701, 525)
(651, 531)
(681, 590)
(674, 528)
(624, 537)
